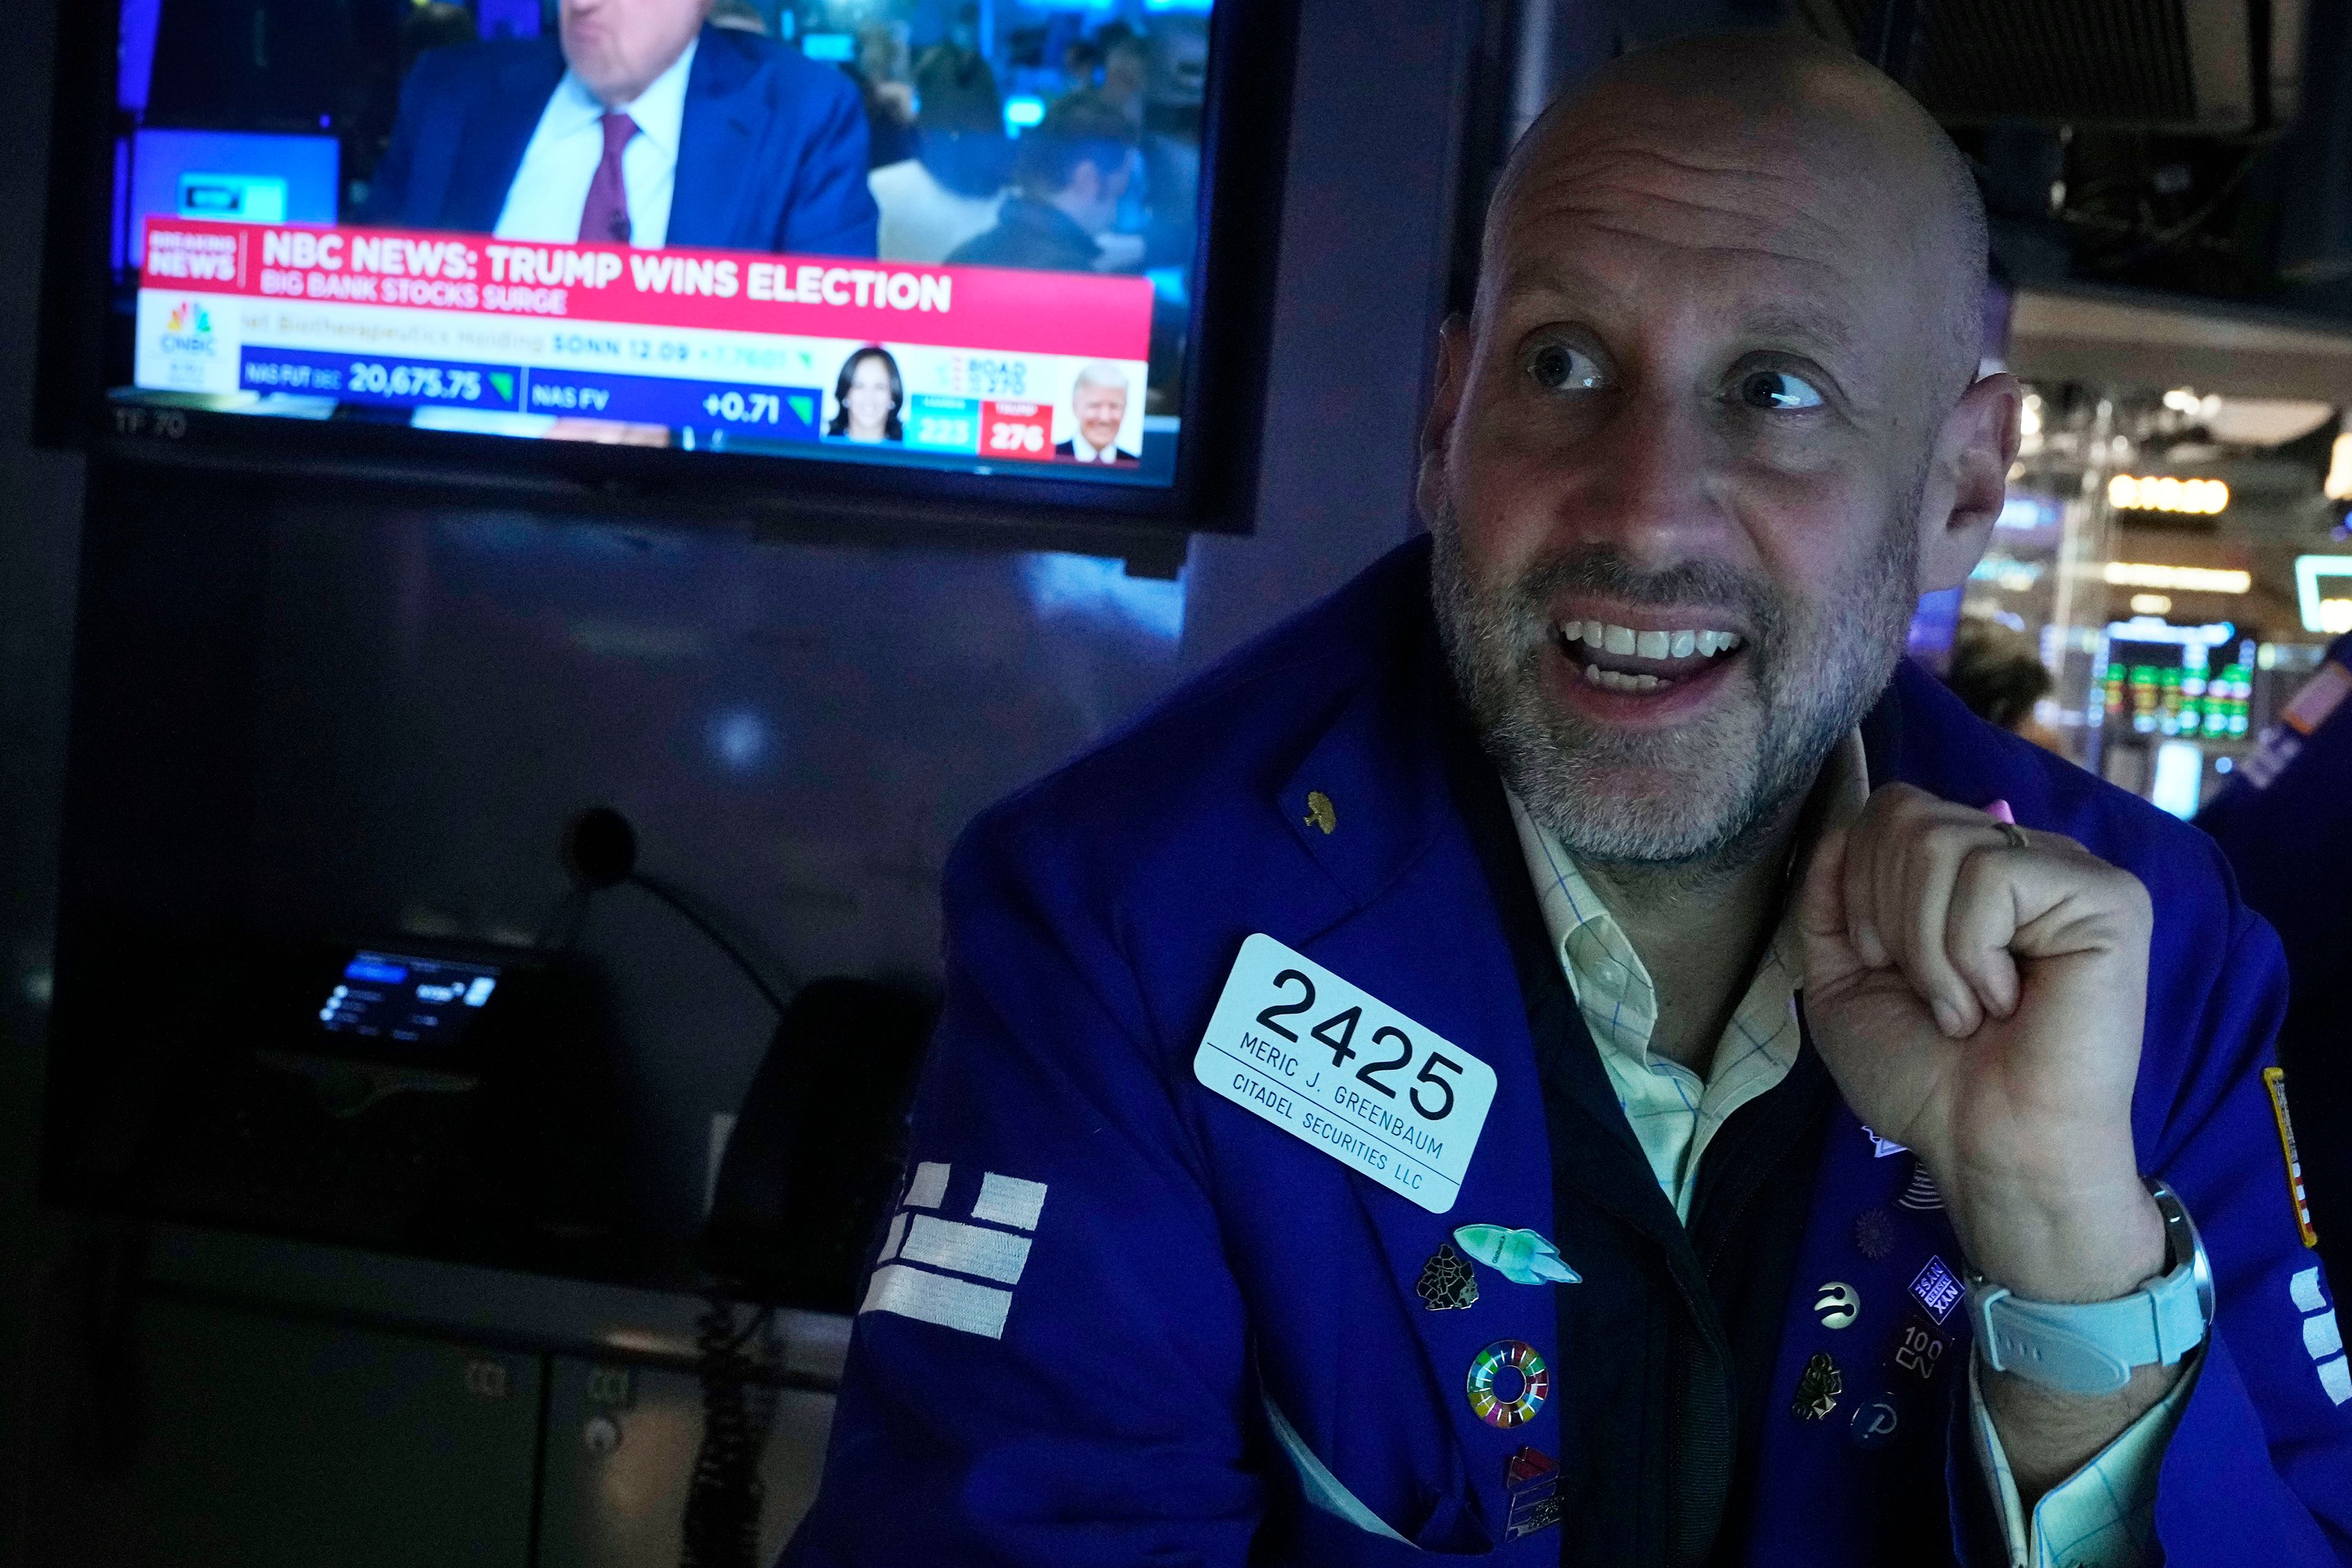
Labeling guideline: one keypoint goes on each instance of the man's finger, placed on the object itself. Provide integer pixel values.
(1983, 923)
(1858, 882)
(1919, 906)
(1821, 912)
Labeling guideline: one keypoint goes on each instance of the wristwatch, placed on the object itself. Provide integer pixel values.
(2093, 1347)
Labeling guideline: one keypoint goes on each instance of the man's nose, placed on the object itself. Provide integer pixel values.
(1652, 494)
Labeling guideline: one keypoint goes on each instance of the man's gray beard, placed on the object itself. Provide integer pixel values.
(1727, 777)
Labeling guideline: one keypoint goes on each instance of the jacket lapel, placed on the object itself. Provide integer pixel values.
(717, 142)
(498, 127)
(1424, 937)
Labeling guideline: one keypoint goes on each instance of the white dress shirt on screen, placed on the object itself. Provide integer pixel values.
(1085, 452)
(551, 188)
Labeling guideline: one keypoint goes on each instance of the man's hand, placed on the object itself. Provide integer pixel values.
(1981, 1001)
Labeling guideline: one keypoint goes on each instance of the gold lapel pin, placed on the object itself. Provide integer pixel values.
(1319, 812)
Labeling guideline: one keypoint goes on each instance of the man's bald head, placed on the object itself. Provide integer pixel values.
(1773, 106)
(1714, 426)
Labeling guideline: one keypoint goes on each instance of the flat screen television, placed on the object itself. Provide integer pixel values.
(1002, 262)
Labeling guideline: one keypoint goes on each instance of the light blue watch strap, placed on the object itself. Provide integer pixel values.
(2094, 1348)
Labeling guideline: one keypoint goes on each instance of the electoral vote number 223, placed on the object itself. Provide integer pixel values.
(1338, 1034)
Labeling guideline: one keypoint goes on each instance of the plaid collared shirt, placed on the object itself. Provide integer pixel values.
(2103, 1516)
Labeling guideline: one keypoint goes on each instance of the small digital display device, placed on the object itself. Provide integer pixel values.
(425, 1006)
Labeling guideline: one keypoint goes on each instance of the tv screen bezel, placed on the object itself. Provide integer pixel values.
(1244, 150)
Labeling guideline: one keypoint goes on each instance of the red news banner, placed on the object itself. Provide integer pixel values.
(747, 340)
(1072, 313)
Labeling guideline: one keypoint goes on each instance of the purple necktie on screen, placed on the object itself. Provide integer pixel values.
(605, 219)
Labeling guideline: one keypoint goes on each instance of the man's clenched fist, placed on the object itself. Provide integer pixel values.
(1979, 1000)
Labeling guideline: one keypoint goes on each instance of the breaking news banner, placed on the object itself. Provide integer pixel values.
(981, 360)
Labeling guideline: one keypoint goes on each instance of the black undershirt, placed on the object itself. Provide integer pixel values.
(1666, 1348)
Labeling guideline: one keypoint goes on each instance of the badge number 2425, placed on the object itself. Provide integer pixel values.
(1296, 1045)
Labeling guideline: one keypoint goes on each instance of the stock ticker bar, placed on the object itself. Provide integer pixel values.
(745, 343)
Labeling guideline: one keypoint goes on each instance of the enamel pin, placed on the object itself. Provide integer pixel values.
(1818, 1388)
(1507, 1383)
(1522, 1256)
(1531, 1480)
(1446, 1282)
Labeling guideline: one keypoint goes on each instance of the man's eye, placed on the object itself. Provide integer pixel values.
(1556, 367)
(1777, 389)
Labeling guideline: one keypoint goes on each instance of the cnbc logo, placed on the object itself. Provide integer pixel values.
(188, 330)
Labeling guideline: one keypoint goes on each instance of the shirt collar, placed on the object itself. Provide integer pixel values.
(659, 110)
(1838, 796)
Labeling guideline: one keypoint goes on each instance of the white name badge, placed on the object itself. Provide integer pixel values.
(1292, 1043)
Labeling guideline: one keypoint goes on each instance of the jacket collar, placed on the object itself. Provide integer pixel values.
(718, 140)
(497, 132)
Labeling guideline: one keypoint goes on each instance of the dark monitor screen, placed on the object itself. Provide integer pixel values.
(949, 237)
(420, 1005)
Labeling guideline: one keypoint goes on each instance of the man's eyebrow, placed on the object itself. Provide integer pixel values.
(1544, 275)
(1825, 334)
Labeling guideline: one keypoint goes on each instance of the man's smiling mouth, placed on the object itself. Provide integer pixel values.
(1623, 658)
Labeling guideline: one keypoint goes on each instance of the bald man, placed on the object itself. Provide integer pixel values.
(1570, 1051)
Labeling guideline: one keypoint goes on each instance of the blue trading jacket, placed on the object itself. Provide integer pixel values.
(1142, 1266)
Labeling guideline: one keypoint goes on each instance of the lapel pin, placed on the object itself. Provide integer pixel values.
(1446, 1282)
(1818, 1388)
(1920, 1349)
(1509, 1383)
(1319, 812)
(1839, 1304)
(1937, 1289)
(1531, 1480)
(1874, 1422)
(1522, 1256)
(1874, 1234)
(2274, 1080)
(1921, 1194)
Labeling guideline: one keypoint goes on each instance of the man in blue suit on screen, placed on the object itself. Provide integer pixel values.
(1571, 1051)
(645, 126)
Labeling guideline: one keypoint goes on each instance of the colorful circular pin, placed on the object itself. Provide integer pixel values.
(1515, 1365)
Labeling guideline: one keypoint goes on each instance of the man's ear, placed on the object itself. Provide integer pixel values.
(1967, 481)
(1453, 345)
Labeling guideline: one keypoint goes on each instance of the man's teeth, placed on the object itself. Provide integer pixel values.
(1612, 680)
(1648, 644)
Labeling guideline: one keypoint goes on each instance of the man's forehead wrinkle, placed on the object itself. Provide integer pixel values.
(1755, 219)
(1692, 223)
(1607, 223)
(1804, 194)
